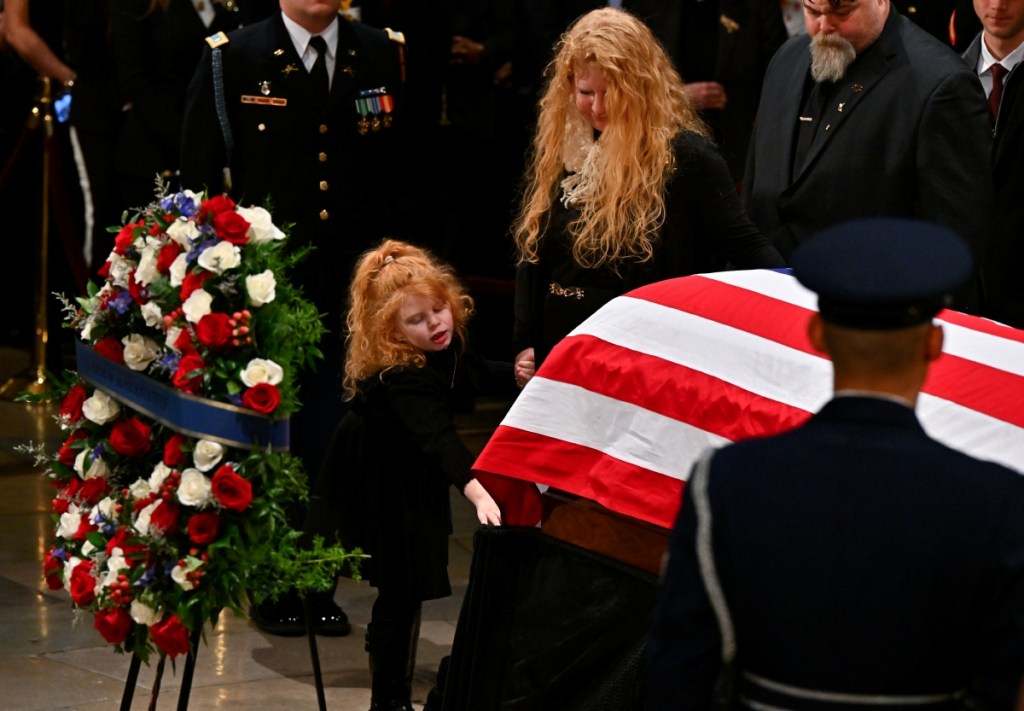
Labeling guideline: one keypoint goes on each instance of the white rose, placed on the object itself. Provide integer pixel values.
(100, 408)
(87, 549)
(143, 613)
(197, 305)
(90, 468)
(261, 288)
(139, 351)
(207, 454)
(183, 231)
(195, 489)
(140, 489)
(106, 507)
(179, 268)
(172, 337)
(221, 257)
(152, 314)
(261, 227)
(70, 520)
(115, 564)
(143, 518)
(146, 273)
(260, 370)
(180, 576)
(160, 472)
(69, 568)
(120, 268)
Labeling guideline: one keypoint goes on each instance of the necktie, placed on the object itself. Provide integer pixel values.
(998, 70)
(809, 119)
(319, 71)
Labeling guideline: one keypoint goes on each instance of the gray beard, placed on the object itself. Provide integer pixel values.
(831, 55)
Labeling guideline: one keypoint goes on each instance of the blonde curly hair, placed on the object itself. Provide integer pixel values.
(624, 207)
(384, 276)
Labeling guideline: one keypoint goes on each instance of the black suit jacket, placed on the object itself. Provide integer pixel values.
(1003, 267)
(156, 54)
(855, 554)
(748, 34)
(907, 135)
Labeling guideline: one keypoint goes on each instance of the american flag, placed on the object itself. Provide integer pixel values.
(623, 406)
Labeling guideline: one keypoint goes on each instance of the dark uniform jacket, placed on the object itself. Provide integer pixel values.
(323, 166)
(905, 134)
(1003, 266)
(856, 555)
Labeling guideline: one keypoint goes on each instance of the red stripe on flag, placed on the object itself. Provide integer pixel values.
(971, 384)
(622, 487)
(669, 389)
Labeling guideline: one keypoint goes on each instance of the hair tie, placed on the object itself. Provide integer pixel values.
(388, 259)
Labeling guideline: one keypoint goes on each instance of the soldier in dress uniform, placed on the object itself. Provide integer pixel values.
(268, 119)
(853, 562)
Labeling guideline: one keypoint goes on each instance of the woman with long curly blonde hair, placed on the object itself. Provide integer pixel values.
(396, 452)
(624, 187)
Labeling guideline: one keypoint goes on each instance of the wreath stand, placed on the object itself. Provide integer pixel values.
(190, 665)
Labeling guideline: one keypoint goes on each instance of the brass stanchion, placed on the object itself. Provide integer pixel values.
(37, 380)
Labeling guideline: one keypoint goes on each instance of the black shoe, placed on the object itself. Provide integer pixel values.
(283, 618)
(328, 619)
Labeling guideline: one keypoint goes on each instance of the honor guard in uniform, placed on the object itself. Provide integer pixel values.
(852, 562)
(300, 110)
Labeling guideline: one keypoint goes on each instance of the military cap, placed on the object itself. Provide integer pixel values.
(882, 273)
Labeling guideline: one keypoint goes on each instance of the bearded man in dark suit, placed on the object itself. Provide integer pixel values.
(868, 115)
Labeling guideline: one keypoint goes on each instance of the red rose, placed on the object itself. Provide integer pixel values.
(83, 585)
(174, 455)
(203, 528)
(214, 330)
(165, 517)
(130, 437)
(84, 529)
(231, 227)
(136, 290)
(168, 253)
(60, 505)
(104, 271)
(125, 237)
(71, 407)
(52, 569)
(93, 490)
(214, 206)
(262, 397)
(111, 349)
(120, 540)
(191, 282)
(66, 455)
(232, 491)
(183, 343)
(114, 624)
(189, 376)
(170, 635)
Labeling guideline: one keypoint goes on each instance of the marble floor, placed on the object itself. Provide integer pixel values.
(48, 662)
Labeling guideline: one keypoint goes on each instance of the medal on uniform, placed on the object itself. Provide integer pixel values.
(374, 107)
(265, 88)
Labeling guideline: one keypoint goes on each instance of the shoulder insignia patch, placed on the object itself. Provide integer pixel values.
(217, 40)
(395, 36)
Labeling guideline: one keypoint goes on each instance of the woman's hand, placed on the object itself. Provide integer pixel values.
(486, 510)
(525, 366)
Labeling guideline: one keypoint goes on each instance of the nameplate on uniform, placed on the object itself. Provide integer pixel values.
(264, 100)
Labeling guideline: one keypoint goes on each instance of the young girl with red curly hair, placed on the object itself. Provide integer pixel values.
(397, 451)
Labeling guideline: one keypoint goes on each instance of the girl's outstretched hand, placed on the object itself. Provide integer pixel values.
(486, 510)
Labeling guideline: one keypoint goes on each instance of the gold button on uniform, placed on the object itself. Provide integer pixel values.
(323, 128)
(323, 185)
(323, 157)
(324, 215)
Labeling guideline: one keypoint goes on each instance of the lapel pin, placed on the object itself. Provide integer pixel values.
(857, 88)
(841, 105)
(729, 24)
(278, 52)
(289, 69)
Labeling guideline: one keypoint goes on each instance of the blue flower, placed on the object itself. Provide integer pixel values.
(122, 302)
